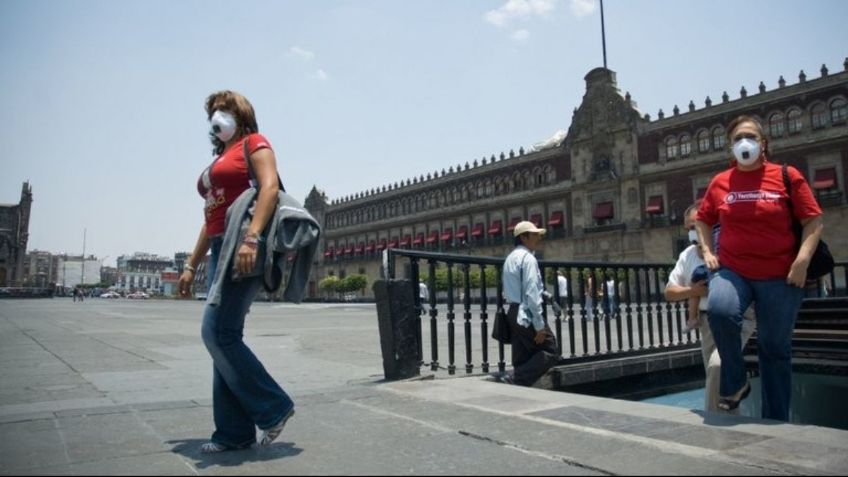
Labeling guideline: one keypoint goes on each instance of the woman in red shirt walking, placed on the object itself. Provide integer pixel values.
(758, 261)
(244, 395)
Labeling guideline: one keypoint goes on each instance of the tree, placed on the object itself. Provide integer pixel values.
(354, 283)
(329, 285)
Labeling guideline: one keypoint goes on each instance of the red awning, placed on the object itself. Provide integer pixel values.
(393, 243)
(513, 223)
(556, 219)
(496, 228)
(701, 193)
(825, 178)
(371, 246)
(406, 241)
(419, 239)
(329, 252)
(477, 231)
(381, 245)
(536, 219)
(349, 250)
(434, 237)
(360, 248)
(655, 205)
(603, 210)
(447, 235)
(462, 233)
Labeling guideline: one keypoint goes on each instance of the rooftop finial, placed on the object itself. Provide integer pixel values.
(781, 82)
(762, 87)
(823, 70)
(743, 93)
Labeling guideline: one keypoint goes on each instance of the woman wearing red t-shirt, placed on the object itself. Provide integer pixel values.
(244, 395)
(758, 261)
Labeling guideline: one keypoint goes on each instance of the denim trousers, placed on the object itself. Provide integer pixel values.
(776, 304)
(244, 395)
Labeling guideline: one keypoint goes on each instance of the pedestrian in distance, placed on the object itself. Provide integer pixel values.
(244, 395)
(759, 260)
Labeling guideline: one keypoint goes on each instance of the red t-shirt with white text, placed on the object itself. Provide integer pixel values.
(756, 239)
(225, 180)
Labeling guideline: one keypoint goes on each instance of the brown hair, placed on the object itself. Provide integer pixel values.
(695, 206)
(238, 106)
(747, 119)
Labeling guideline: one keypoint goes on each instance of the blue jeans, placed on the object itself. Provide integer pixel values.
(244, 395)
(776, 304)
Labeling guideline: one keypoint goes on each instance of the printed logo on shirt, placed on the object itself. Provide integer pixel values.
(752, 196)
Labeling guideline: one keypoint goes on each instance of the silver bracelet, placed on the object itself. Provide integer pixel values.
(190, 268)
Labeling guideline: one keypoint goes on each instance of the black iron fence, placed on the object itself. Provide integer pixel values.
(606, 310)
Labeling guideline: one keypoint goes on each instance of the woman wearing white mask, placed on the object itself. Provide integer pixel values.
(244, 395)
(758, 260)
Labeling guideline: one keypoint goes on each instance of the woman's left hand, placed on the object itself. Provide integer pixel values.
(798, 273)
(246, 258)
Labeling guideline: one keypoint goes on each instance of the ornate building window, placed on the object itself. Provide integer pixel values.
(671, 148)
(838, 111)
(794, 124)
(718, 138)
(685, 145)
(818, 116)
(776, 125)
(703, 141)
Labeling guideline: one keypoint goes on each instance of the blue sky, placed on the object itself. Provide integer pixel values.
(103, 100)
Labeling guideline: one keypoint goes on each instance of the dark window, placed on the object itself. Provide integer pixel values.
(794, 124)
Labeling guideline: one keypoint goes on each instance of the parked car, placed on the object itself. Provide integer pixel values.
(138, 296)
(110, 294)
(200, 296)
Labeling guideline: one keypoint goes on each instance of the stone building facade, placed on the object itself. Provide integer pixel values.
(614, 190)
(14, 234)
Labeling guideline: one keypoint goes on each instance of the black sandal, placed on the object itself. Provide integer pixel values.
(727, 404)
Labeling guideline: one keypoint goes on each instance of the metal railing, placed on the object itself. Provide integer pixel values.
(620, 311)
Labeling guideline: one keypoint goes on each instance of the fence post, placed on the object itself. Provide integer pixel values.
(400, 330)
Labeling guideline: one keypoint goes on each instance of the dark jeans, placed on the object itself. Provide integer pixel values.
(776, 304)
(529, 360)
(244, 395)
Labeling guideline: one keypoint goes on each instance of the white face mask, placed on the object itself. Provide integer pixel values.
(223, 125)
(746, 151)
(693, 236)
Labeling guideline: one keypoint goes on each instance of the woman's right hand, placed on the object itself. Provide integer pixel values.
(710, 260)
(186, 280)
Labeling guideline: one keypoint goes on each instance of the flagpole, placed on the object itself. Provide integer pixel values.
(603, 34)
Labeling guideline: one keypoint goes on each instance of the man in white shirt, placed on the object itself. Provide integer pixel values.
(423, 292)
(534, 347)
(680, 287)
(562, 284)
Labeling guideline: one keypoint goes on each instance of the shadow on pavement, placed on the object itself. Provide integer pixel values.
(191, 448)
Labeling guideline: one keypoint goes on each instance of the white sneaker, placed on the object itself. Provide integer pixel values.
(269, 435)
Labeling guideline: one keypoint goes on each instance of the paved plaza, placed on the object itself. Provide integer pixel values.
(124, 387)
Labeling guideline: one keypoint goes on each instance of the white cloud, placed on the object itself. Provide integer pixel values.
(320, 75)
(513, 9)
(520, 36)
(582, 8)
(301, 53)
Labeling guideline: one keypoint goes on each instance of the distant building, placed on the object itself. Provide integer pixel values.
(613, 189)
(74, 270)
(109, 276)
(14, 234)
(40, 269)
(141, 272)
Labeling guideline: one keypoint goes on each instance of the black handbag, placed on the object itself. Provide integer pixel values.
(821, 262)
(500, 329)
